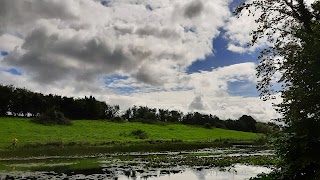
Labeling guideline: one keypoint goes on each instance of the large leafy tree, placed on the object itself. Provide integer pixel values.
(6, 93)
(292, 29)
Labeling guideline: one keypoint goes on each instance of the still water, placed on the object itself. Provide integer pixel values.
(133, 166)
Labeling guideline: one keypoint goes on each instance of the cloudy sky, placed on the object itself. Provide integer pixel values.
(188, 55)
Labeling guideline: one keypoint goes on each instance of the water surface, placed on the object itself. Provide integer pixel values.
(132, 166)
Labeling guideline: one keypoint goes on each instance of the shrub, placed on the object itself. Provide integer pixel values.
(118, 120)
(52, 117)
(207, 126)
(139, 134)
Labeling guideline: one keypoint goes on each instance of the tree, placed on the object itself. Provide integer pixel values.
(267, 128)
(93, 108)
(249, 123)
(175, 116)
(163, 115)
(111, 111)
(21, 102)
(6, 93)
(293, 30)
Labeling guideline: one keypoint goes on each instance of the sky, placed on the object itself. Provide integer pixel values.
(187, 55)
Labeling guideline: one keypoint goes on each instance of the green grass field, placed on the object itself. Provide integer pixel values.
(95, 132)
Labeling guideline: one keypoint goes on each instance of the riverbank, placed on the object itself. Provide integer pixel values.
(94, 137)
(56, 149)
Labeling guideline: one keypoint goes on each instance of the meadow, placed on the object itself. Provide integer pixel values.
(99, 132)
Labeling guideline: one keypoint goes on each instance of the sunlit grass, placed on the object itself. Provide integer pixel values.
(98, 132)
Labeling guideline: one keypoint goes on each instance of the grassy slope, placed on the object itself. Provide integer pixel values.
(99, 131)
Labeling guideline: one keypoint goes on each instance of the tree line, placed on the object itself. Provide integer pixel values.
(23, 102)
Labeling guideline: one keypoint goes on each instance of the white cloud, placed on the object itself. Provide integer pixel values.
(83, 39)
(239, 29)
(206, 92)
(223, 106)
(9, 42)
(238, 32)
(68, 47)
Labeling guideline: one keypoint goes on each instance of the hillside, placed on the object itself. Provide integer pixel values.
(95, 132)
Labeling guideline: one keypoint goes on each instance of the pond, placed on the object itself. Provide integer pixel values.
(232, 163)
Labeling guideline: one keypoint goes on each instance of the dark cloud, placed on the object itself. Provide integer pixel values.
(145, 75)
(81, 40)
(149, 7)
(193, 9)
(18, 12)
(105, 2)
(197, 104)
(50, 59)
(3, 17)
(164, 33)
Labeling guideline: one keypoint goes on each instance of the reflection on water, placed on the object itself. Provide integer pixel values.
(129, 167)
(238, 172)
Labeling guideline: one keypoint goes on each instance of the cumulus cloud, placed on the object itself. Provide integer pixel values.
(83, 39)
(224, 107)
(70, 47)
(205, 92)
(238, 32)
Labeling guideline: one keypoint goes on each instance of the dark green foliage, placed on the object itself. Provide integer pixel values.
(267, 128)
(6, 93)
(207, 126)
(52, 117)
(245, 123)
(263, 128)
(112, 112)
(249, 124)
(295, 54)
(141, 114)
(139, 134)
(118, 119)
(22, 102)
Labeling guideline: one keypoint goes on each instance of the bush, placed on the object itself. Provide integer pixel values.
(52, 117)
(139, 134)
(207, 126)
(118, 120)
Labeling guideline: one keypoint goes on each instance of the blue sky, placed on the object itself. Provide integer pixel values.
(13, 71)
(222, 57)
(3, 53)
(165, 54)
